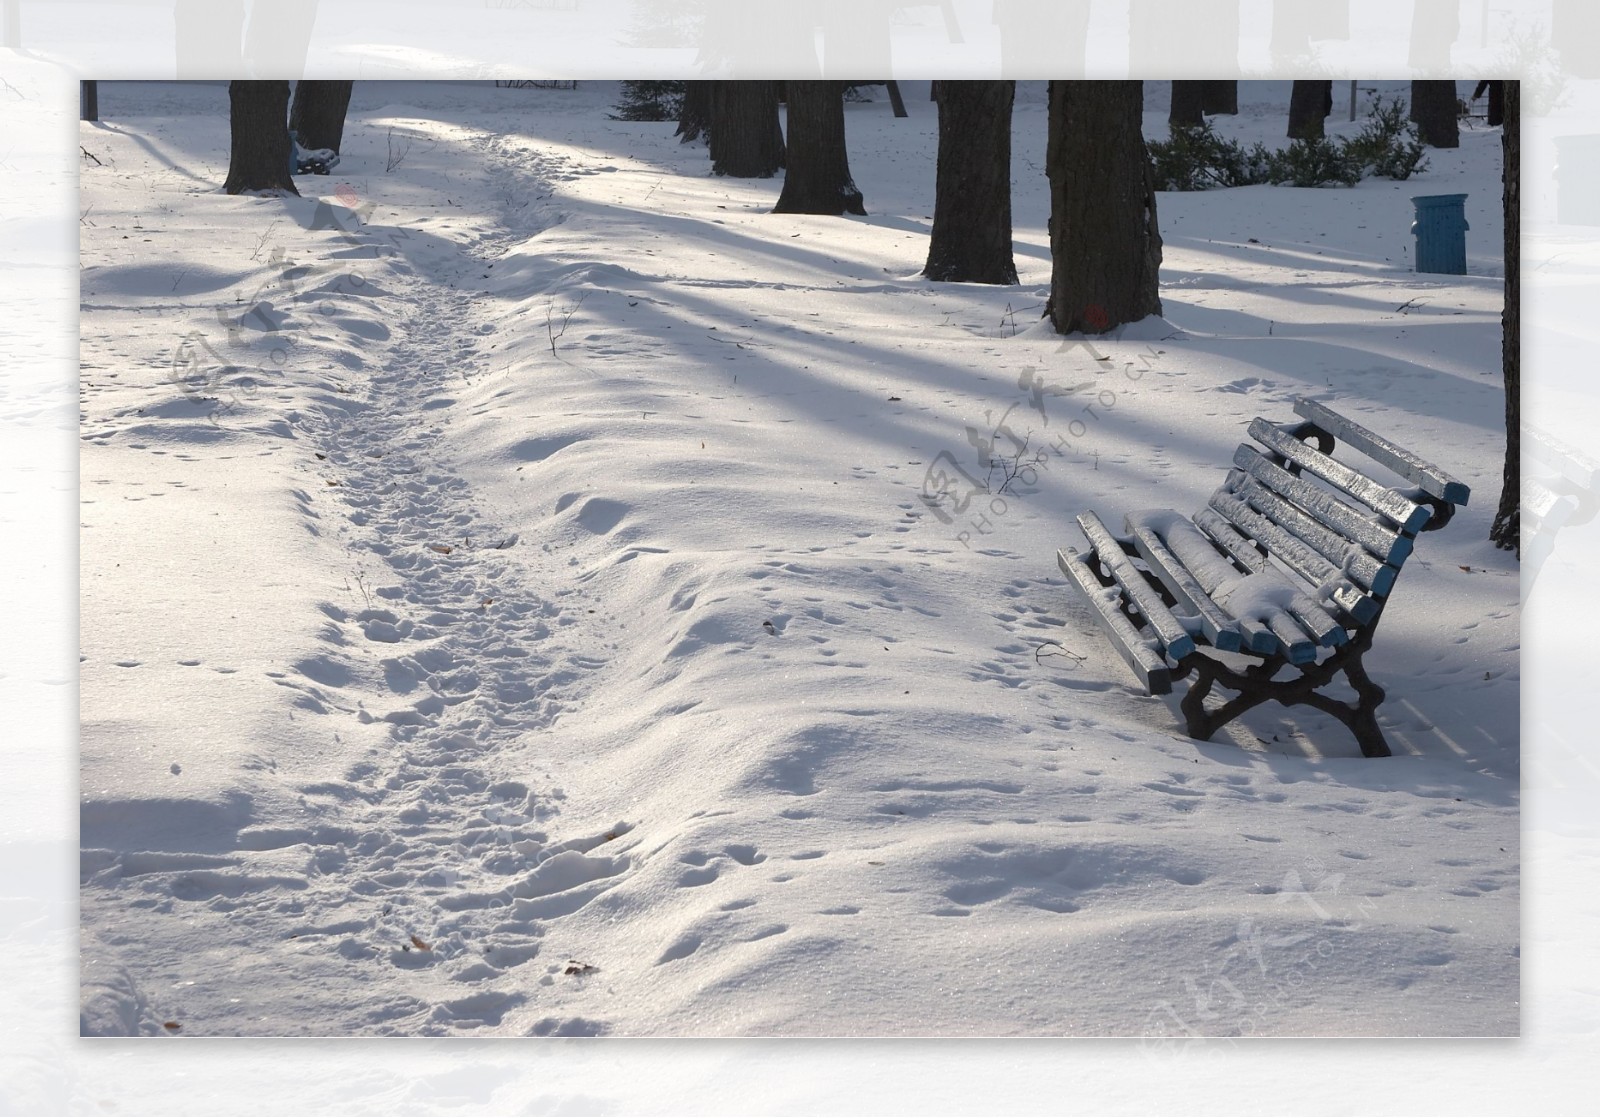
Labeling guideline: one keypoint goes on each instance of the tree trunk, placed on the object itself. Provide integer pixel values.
(1105, 246)
(316, 117)
(1220, 97)
(1433, 107)
(694, 117)
(895, 100)
(1309, 105)
(89, 100)
(818, 177)
(971, 239)
(1507, 529)
(746, 140)
(1188, 105)
(259, 127)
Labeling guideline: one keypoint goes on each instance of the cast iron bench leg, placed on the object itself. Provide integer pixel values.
(1255, 686)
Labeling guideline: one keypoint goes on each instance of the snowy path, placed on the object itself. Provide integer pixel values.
(447, 655)
(627, 671)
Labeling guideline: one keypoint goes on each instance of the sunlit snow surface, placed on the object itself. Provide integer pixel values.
(510, 606)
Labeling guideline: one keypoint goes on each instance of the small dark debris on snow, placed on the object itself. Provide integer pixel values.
(575, 967)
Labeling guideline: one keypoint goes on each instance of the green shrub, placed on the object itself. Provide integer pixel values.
(1196, 158)
(650, 101)
(1316, 162)
(1388, 146)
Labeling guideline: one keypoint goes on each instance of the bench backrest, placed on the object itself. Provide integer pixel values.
(1342, 531)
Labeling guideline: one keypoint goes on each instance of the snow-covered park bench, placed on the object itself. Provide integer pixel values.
(1289, 565)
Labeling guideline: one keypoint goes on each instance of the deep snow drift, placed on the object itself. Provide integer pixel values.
(508, 605)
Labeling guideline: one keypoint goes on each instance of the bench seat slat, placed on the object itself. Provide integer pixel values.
(1174, 638)
(1423, 474)
(1360, 607)
(1321, 624)
(1145, 662)
(1322, 506)
(1409, 515)
(1295, 643)
(1191, 574)
(1340, 553)
(1272, 632)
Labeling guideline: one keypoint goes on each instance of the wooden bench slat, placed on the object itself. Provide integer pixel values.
(1323, 627)
(1358, 606)
(1174, 638)
(1179, 579)
(1342, 554)
(1146, 663)
(1386, 502)
(1423, 474)
(1273, 632)
(1322, 506)
(1301, 558)
(1294, 642)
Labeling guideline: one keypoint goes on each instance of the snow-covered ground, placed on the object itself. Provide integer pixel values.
(507, 606)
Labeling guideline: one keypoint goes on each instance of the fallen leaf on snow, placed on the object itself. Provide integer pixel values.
(419, 945)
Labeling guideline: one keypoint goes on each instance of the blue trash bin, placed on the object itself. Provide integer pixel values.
(1441, 231)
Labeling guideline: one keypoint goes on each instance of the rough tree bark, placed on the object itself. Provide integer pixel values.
(1433, 108)
(971, 239)
(1497, 103)
(1506, 531)
(818, 177)
(316, 118)
(1220, 97)
(746, 140)
(694, 116)
(1188, 105)
(1309, 105)
(1105, 246)
(258, 121)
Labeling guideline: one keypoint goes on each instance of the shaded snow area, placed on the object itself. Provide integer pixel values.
(510, 605)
